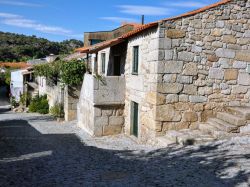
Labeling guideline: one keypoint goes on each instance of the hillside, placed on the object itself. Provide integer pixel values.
(17, 47)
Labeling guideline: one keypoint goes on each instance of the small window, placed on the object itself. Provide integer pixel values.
(134, 118)
(103, 57)
(135, 60)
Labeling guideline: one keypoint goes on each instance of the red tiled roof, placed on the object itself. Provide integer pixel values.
(141, 28)
(14, 64)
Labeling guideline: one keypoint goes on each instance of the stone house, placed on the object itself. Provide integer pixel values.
(173, 74)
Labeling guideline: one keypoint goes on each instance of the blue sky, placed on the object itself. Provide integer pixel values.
(58, 20)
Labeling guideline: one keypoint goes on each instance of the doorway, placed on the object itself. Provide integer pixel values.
(117, 66)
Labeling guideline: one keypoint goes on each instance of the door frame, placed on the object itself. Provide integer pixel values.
(134, 120)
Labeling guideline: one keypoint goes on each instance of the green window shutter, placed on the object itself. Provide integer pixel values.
(135, 59)
(103, 62)
(134, 119)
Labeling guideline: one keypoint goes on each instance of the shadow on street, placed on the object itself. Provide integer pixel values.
(29, 158)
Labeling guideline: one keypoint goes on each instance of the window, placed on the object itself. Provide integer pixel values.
(103, 57)
(135, 60)
(134, 118)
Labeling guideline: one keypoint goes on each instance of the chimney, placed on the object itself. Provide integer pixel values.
(142, 19)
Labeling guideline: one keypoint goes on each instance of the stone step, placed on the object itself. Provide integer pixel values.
(220, 134)
(188, 136)
(243, 112)
(222, 125)
(207, 128)
(232, 119)
(164, 141)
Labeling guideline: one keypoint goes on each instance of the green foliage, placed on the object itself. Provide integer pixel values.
(16, 47)
(13, 102)
(39, 104)
(70, 73)
(7, 77)
(57, 111)
(25, 99)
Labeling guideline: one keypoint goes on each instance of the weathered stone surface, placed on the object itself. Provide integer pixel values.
(216, 32)
(240, 64)
(243, 56)
(224, 63)
(212, 58)
(166, 113)
(169, 88)
(155, 98)
(231, 74)
(169, 78)
(186, 56)
(205, 90)
(239, 89)
(190, 117)
(190, 89)
(185, 79)
(116, 120)
(216, 73)
(183, 98)
(197, 99)
(172, 98)
(111, 130)
(175, 33)
(225, 53)
(170, 67)
(190, 69)
(229, 39)
(244, 79)
(182, 106)
(199, 107)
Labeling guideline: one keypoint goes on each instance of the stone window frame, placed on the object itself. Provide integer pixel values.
(135, 60)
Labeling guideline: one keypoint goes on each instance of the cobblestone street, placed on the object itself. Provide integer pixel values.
(36, 151)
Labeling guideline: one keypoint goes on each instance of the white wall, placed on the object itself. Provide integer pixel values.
(17, 84)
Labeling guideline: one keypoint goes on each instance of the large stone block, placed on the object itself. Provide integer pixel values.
(166, 113)
(116, 120)
(229, 39)
(175, 33)
(240, 64)
(243, 56)
(239, 89)
(170, 67)
(225, 53)
(169, 78)
(205, 90)
(190, 69)
(111, 130)
(244, 79)
(186, 56)
(197, 99)
(170, 88)
(190, 117)
(231, 74)
(190, 89)
(185, 79)
(216, 73)
(155, 98)
(172, 98)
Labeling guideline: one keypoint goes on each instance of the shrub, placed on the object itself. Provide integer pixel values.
(57, 111)
(39, 104)
(25, 99)
(13, 102)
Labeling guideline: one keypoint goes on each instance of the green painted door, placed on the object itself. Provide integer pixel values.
(134, 118)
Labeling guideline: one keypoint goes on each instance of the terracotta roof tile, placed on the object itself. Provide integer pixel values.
(14, 64)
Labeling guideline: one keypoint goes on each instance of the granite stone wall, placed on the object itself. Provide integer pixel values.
(189, 69)
(203, 65)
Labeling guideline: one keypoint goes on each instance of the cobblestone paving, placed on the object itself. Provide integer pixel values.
(37, 151)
